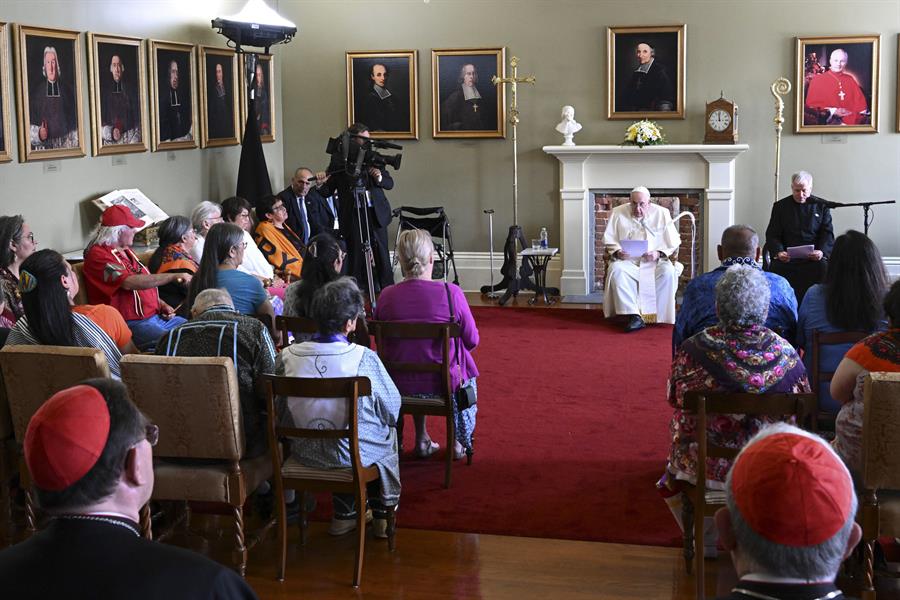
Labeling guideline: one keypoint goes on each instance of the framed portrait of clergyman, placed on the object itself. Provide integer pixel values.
(49, 99)
(118, 93)
(465, 104)
(645, 72)
(218, 97)
(836, 84)
(173, 102)
(262, 87)
(5, 127)
(382, 92)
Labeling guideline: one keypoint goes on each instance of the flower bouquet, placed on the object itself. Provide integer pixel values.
(644, 133)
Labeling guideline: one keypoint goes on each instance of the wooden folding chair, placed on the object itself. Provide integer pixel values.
(819, 376)
(700, 503)
(290, 473)
(879, 509)
(441, 404)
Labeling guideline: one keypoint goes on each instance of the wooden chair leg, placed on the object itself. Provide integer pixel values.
(392, 528)
(400, 433)
(687, 520)
(868, 584)
(451, 439)
(360, 533)
(304, 519)
(239, 538)
(146, 522)
(281, 511)
(698, 555)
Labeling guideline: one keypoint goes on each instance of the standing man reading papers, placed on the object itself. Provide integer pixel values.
(641, 280)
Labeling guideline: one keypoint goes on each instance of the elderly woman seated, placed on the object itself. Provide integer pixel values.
(740, 354)
(878, 352)
(418, 298)
(48, 286)
(278, 242)
(176, 238)
(203, 217)
(336, 308)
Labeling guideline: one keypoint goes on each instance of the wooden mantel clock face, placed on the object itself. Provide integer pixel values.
(721, 122)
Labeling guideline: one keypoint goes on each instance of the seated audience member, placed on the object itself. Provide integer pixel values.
(237, 210)
(324, 261)
(740, 354)
(176, 238)
(336, 308)
(789, 516)
(89, 453)
(16, 244)
(222, 255)
(48, 285)
(212, 330)
(278, 243)
(419, 298)
(849, 300)
(740, 246)
(800, 219)
(878, 352)
(113, 275)
(203, 217)
(641, 220)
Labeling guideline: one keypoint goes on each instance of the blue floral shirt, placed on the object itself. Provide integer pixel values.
(698, 306)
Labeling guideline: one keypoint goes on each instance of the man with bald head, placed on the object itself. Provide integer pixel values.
(740, 246)
(650, 88)
(641, 287)
(305, 206)
(52, 107)
(834, 97)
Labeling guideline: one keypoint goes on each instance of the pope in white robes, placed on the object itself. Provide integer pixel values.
(642, 287)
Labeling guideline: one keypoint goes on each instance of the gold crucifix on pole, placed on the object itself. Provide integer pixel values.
(514, 121)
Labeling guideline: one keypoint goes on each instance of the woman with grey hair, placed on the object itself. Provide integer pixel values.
(335, 308)
(739, 354)
(176, 238)
(205, 215)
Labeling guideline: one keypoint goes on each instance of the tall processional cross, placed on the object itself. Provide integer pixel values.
(514, 121)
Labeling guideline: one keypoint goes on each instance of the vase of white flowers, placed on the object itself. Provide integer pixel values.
(644, 133)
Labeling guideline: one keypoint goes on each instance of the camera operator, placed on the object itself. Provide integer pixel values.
(375, 181)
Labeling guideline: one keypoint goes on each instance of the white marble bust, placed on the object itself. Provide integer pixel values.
(568, 126)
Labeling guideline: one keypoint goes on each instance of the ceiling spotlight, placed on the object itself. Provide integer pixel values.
(256, 25)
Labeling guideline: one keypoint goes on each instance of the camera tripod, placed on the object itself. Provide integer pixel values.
(361, 203)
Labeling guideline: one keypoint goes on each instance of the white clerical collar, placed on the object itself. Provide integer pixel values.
(644, 68)
(382, 92)
(470, 92)
(761, 578)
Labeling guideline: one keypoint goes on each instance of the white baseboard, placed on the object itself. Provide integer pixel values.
(475, 270)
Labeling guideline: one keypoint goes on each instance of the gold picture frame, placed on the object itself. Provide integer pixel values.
(897, 98)
(465, 104)
(173, 111)
(118, 106)
(5, 121)
(383, 92)
(837, 101)
(636, 91)
(49, 111)
(265, 101)
(219, 110)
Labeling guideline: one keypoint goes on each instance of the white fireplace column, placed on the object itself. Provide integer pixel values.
(710, 168)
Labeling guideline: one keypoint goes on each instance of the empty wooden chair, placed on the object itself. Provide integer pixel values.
(195, 403)
(700, 502)
(291, 474)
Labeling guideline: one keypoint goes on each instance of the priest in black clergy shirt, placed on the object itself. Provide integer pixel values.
(90, 456)
(175, 109)
(119, 116)
(800, 219)
(464, 109)
(52, 108)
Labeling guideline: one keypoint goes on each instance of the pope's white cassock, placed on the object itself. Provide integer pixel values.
(624, 277)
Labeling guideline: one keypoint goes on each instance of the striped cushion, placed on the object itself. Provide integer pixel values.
(416, 401)
(294, 469)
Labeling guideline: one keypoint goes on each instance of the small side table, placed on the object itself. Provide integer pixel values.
(539, 259)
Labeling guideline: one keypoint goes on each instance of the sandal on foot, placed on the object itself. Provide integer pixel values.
(424, 450)
(459, 451)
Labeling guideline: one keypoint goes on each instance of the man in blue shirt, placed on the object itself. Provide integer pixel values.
(740, 245)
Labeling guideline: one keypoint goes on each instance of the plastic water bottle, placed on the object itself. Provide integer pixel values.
(545, 239)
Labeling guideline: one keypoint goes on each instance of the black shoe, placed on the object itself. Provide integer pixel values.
(635, 322)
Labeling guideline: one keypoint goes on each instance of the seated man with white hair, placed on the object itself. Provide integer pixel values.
(789, 516)
(641, 287)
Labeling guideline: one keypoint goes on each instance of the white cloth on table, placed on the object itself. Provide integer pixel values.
(622, 293)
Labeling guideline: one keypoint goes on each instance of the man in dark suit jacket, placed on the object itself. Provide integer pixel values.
(378, 214)
(800, 219)
(306, 216)
(89, 452)
(789, 520)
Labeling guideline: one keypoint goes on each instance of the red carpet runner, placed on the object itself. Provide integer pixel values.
(572, 434)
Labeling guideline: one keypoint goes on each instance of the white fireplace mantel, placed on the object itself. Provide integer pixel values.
(710, 168)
